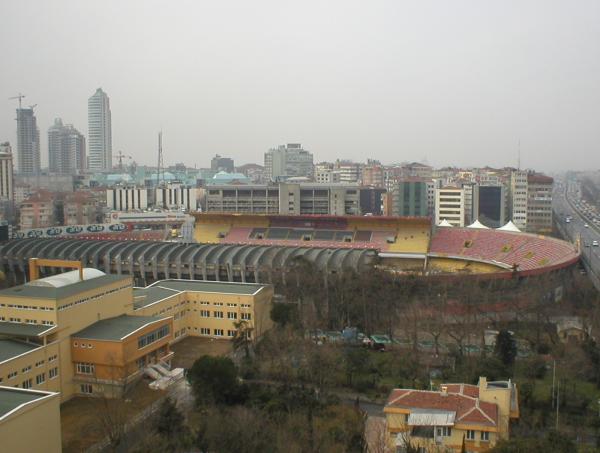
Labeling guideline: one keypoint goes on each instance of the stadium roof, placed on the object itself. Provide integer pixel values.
(116, 329)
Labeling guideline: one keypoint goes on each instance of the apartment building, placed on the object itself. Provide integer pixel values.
(81, 208)
(450, 206)
(288, 161)
(518, 198)
(6, 173)
(350, 172)
(539, 203)
(127, 198)
(38, 211)
(373, 175)
(473, 417)
(175, 196)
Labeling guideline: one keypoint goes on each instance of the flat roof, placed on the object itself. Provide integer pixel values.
(23, 330)
(11, 398)
(11, 348)
(142, 297)
(40, 292)
(210, 286)
(116, 329)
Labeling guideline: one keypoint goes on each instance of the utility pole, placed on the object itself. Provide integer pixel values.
(557, 402)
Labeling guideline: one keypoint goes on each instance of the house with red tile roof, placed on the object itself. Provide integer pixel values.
(477, 416)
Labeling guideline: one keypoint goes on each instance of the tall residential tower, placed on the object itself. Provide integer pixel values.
(66, 149)
(28, 142)
(99, 132)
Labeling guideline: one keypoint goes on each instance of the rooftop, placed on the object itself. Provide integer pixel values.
(14, 329)
(246, 289)
(51, 292)
(142, 297)
(115, 329)
(11, 348)
(12, 398)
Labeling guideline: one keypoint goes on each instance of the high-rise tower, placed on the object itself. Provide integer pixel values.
(99, 132)
(28, 142)
(66, 149)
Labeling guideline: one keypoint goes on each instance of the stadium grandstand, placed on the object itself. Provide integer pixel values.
(247, 248)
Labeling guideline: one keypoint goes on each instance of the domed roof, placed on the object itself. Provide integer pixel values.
(229, 176)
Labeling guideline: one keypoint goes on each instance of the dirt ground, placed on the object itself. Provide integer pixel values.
(80, 417)
(188, 350)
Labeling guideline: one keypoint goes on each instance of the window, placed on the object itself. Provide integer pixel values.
(485, 436)
(231, 333)
(246, 316)
(218, 314)
(12, 375)
(444, 431)
(52, 358)
(219, 332)
(39, 364)
(27, 384)
(27, 369)
(204, 331)
(205, 313)
(153, 336)
(53, 373)
(40, 378)
(231, 315)
(85, 368)
(86, 388)
(470, 434)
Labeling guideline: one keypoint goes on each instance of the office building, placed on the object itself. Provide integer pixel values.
(126, 198)
(66, 149)
(219, 163)
(450, 206)
(99, 132)
(489, 203)
(6, 173)
(28, 142)
(518, 198)
(289, 160)
(176, 196)
(409, 198)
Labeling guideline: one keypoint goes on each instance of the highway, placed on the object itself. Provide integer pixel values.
(564, 203)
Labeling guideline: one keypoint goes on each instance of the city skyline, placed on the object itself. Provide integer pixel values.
(462, 84)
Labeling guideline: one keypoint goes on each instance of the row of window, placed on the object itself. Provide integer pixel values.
(219, 332)
(28, 368)
(27, 307)
(484, 436)
(230, 315)
(82, 345)
(94, 297)
(153, 336)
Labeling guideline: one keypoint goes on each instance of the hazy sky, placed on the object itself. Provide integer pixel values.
(455, 82)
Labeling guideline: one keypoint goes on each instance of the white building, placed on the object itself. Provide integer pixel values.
(99, 132)
(288, 160)
(66, 149)
(450, 206)
(518, 198)
(350, 172)
(127, 198)
(6, 173)
(176, 196)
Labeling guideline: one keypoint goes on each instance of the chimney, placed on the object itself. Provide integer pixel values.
(444, 391)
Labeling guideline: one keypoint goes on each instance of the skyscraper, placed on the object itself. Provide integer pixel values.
(66, 149)
(99, 132)
(28, 142)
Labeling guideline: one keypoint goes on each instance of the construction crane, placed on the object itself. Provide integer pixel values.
(160, 167)
(120, 156)
(19, 97)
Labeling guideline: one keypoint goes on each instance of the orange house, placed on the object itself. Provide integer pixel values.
(112, 353)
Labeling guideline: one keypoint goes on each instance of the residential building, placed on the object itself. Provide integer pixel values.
(489, 203)
(176, 196)
(539, 203)
(38, 210)
(450, 206)
(81, 208)
(459, 417)
(288, 161)
(99, 132)
(6, 173)
(467, 187)
(372, 200)
(24, 411)
(126, 198)
(409, 198)
(418, 170)
(325, 173)
(350, 172)
(28, 142)
(66, 149)
(518, 198)
(219, 163)
(373, 174)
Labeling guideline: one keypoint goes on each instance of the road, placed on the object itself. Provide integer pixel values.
(563, 205)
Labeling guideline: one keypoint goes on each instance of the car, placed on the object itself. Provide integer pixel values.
(595, 243)
(585, 225)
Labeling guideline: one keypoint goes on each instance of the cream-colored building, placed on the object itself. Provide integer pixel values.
(477, 416)
(29, 421)
(450, 206)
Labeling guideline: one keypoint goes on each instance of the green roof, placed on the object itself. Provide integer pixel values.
(145, 296)
(23, 330)
(11, 348)
(210, 286)
(44, 292)
(11, 398)
(115, 329)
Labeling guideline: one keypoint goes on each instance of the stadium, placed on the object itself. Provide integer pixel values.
(245, 248)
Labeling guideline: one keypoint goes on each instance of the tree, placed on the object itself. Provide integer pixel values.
(242, 338)
(506, 348)
(284, 314)
(215, 380)
(170, 425)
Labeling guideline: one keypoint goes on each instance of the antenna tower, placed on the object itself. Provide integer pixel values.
(160, 168)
